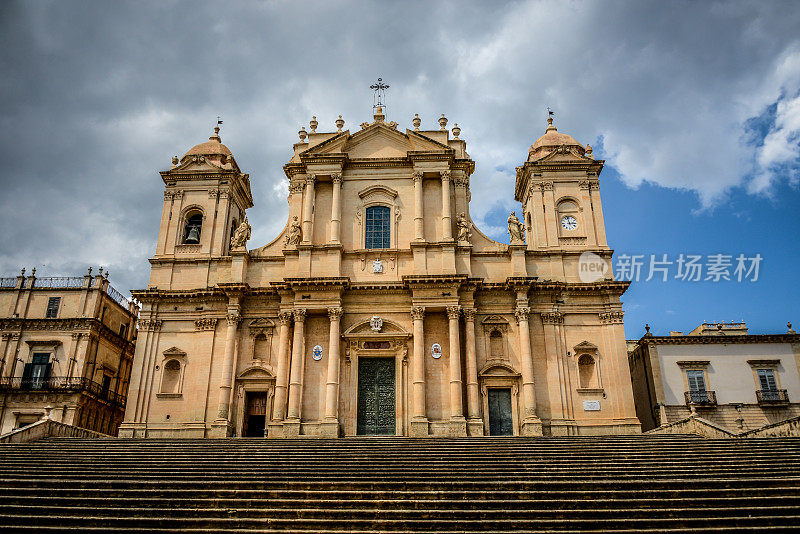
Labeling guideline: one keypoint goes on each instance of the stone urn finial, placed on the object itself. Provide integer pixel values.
(443, 122)
(339, 124)
(313, 124)
(416, 122)
(302, 134)
(175, 160)
(456, 130)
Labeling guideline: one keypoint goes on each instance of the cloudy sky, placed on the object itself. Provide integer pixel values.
(694, 105)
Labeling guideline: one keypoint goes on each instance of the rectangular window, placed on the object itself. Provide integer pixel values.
(697, 380)
(123, 328)
(106, 386)
(39, 370)
(766, 378)
(52, 307)
(378, 227)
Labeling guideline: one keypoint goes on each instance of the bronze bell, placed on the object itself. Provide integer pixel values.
(193, 237)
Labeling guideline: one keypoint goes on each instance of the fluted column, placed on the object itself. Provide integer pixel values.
(456, 404)
(332, 385)
(298, 349)
(418, 368)
(526, 362)
(447, 227)
(473, 398)
(419, 232)
(282, 373)
(226, 384)
(308, 204)
(336, 208)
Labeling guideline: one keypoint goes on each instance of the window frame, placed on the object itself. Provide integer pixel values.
(53, 307)
(383, 233)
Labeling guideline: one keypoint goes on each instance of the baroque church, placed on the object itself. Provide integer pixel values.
(380, 309)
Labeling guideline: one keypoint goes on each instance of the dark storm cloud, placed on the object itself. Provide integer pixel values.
(98, 96)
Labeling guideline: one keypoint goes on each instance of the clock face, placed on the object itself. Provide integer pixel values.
(569, 222)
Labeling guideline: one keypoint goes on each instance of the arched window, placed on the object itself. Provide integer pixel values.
(191, 232)
(586, 371)
(378, 227)
(172, 377)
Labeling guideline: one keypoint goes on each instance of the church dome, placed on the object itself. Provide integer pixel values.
(550, 141)
(212, 147)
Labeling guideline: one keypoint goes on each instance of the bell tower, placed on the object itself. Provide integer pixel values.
(559, 189)
(205, 198)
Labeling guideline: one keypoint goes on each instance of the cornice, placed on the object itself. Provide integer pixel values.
(719, 340)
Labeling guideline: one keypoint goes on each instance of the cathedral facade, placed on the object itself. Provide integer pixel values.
(380, 309)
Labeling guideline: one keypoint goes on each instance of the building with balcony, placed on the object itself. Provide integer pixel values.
(727, 376)
(66, 343)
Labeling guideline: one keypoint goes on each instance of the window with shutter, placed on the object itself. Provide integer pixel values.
(766, 378)
(696, 379)
(52, 307)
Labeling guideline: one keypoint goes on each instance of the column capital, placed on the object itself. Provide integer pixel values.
(416, 176)
(453, 312)
(296, 186)
(299, 314)
(417, 313)
(311, 178)
(233, 317)
(611, 317)
(6, 337)
(521, 313)
(469, 314)
(334, 314)
(445, 175)
(336, 177)
(285, 317)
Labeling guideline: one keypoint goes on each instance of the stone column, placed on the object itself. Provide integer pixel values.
(473, 393)
(332, 386)
(73, 349)
(419, 420)
(447, 227)
(419, 232)
(531, 425)
(336, 208)
(295, 380)
(308, 204)
(3, 347)
(456, 405)
(227, 366)
(282, 373)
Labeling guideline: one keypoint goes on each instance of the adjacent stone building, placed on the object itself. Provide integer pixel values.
(737, 380)
(67, 343)
(380, 308)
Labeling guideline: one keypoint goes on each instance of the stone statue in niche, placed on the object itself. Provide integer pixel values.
(295, 232)
(242, 234)
(516, 230)
(464, 229)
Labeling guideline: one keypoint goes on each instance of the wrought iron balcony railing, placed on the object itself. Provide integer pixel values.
(701, 398)
(772, 396)
(63, 384)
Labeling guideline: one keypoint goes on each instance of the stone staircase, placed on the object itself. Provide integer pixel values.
(519, 485)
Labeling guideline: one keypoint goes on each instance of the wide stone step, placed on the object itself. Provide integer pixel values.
(697, 521)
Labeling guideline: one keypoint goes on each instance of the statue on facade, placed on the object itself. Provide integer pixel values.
(464, 229)
(516, 230)
(295, 232)
(242, 234)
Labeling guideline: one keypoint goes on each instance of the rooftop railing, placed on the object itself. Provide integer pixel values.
(8, 282)
(59, 282)
(118, 297)
(62, 384)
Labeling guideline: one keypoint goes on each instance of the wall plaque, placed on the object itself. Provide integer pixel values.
(316, 353)
(436, 351)
(591, 406)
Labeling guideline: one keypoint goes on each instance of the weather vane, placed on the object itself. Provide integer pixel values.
(550, 112)
(379, 98)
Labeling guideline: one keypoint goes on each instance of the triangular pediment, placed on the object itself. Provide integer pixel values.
(174, 351)
(376, 141)
(198, 164)
(585, 346)
(564, 154)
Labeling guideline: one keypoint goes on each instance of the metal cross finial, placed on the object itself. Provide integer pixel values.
(379, 98)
